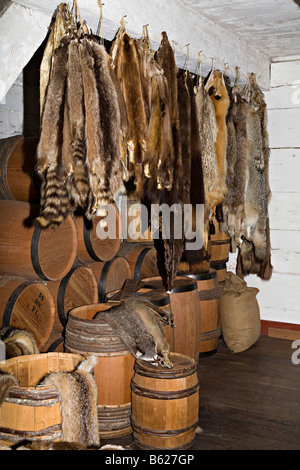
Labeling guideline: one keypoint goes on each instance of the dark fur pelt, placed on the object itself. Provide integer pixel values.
(233, 206)
(173, 246)
(255, 251)
(78, 392)
(138, 323)
(17, 342)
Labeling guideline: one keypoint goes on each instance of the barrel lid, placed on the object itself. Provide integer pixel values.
(181, 284)
(183, 366)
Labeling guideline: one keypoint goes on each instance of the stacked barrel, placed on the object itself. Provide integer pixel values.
(54, 281)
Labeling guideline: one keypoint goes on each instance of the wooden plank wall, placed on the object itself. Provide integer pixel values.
(279, 298)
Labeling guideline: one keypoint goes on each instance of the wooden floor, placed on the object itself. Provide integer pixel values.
(249, 400)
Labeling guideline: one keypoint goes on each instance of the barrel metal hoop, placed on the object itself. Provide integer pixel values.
(88, 242)
(61, 295)
(11, 302)
(35, 253)
(163, 433)
(139, 261)
(102, 280)
(210, 294)
(164, 395)
(212, 334)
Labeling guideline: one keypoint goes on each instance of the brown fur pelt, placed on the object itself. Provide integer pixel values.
(6, 382)
(256, 246)
(216, 88)
(138, 323)
(208, 129)
(233, 206)
(17, 342)
(127, 68)
(196, 259)
(173, 246)
(78, 392)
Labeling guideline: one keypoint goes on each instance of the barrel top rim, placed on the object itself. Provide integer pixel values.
(183, 366)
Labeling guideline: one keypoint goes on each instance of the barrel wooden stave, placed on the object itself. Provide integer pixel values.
(186, 311)
(111, 275)
(18, 180)
(28, 251)
(220, 248)
(142, 259)
(27, 305)
(209, 297)
(78, 288)
(165, 404)
(31, 412)
(92, 248)
(114, 368)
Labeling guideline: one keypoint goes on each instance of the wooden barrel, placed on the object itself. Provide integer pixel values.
(27, 305)
(137, 230)
(111, 275)
(78, 287)
(186, 310)
(18, 179)
(165, 404)
(113, 371)
(142, 259)
(56, 343)
(209, 296)
(220, 247)
(31, 252)
(31, 412)
(91, 247)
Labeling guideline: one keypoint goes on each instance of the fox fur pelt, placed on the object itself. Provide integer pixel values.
(78, 392)
(255, 251)
(127, 68)
(138, 323)
(17, 342)
(216, 88)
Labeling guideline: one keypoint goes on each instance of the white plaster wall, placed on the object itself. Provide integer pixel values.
(12, 110)
(279, 298)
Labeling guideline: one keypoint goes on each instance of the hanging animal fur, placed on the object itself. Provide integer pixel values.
(256, 249)
(17, 342)
(233, 206)
(216, 88)
(78, 392)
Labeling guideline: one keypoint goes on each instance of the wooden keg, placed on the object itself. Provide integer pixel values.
(31, 252)
(186, 310)
(91, 246)
(220, 247)
(138, 230)
(30, 412)
(142, 259)
(165, 404)
(113, 371)
(111, 275)
(18, 179)
(209, 296)
(27, 305)
(78, 287)
(56, 343)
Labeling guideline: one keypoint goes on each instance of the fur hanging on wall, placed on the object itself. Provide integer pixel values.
(79, 152)
(255, 250)
(78, 392)
(216, 88)
(138, 324)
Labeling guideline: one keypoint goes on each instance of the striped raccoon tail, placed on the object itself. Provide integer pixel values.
(80, 186)
(55, 203)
